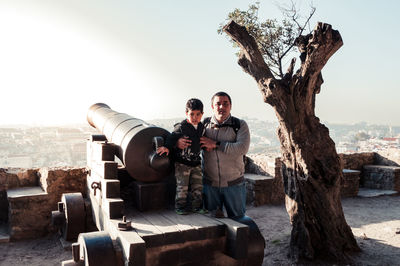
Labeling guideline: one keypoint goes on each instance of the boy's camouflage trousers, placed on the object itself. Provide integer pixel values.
(188, 177)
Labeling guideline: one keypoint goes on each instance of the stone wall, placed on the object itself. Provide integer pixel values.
(264, 191)
(265, 186)
(16, 177)
(355, 161)
(56, 181)
(29, 215)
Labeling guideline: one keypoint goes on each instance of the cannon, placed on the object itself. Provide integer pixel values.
(130, 234)
(135, 141)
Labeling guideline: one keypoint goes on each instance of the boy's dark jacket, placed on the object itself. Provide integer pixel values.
(191, 155)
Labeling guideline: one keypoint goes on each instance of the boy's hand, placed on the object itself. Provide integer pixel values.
(162, 150)
(183, 143)
(208, 144)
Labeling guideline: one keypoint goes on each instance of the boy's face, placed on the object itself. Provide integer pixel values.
(194, 116)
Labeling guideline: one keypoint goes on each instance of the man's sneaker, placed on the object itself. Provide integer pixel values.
(181, 211)
(200, 210)
(218, 213)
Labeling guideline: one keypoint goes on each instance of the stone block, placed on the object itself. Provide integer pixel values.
(351, 182)
(114, 208)
(110, 188)
(237, 238)
(150, 196)
(29, 213)
(263, 190)
(101, 151)
(105, 169)
(381, 177)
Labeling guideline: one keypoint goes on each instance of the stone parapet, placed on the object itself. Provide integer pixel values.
(356, 161)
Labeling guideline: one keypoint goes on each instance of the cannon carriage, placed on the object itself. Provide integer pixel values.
(130, 194)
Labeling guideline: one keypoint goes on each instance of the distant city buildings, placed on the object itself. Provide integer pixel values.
(35, 147)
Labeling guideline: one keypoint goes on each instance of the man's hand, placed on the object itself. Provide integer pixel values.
(207, 143)
(162, 150)
(183, 143)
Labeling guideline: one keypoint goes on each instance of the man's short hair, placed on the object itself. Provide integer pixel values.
(194, 104)
(221, 93)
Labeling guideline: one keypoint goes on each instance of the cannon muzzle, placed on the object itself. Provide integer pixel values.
(136, 141)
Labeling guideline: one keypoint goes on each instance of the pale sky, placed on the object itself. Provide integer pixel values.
(147, 58)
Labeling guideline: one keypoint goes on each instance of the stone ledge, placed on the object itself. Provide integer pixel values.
(255, 177)
(25, 192)
(381, 167)
(368, 193)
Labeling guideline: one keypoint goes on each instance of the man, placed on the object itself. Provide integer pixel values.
(226, 141)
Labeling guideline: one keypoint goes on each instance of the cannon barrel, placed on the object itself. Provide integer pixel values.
(136, 142)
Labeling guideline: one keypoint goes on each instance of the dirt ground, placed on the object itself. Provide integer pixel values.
(375, 223)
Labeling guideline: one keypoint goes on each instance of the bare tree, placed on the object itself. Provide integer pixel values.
(311, 168)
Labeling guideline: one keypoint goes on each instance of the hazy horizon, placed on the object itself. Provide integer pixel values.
(147, 58)
(181, 118)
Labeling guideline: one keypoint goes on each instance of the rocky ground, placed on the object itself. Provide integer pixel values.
(375, 223)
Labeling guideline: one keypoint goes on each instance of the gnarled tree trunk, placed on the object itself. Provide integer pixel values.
(311, 168)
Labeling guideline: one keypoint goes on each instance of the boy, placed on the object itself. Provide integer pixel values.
(187, 161)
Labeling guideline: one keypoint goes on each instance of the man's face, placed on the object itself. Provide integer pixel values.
(221, 107)
(194, 116)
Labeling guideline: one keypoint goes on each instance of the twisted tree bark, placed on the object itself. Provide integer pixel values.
(311, 168)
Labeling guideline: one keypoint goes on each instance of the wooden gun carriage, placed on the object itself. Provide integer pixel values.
(130, 204)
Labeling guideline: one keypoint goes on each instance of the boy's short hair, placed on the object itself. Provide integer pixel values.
(221, 93)
(194, 104)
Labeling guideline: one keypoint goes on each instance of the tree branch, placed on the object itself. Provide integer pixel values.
(322, 44)
(251, 58)
(294, 18)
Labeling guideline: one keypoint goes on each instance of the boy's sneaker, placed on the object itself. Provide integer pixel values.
(200, 211)
(181, 211)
